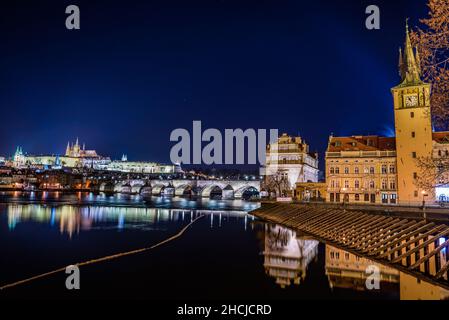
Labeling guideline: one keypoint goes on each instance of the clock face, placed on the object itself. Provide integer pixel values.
(411, 101)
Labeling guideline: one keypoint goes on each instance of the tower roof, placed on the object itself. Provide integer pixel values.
(409, 62)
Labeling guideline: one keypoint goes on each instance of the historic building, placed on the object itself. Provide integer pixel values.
(288, 161)
(361, 169)
(76, 151)
(75, 157)
(375, 169)
(141, 166)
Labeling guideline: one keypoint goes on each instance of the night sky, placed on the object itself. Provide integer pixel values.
(139, 69)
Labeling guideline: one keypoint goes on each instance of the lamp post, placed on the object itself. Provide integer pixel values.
(424, 195)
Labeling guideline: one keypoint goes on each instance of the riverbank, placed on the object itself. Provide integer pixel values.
(414, 246)
(413, 212)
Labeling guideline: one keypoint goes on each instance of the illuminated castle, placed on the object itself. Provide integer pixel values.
(75, 151)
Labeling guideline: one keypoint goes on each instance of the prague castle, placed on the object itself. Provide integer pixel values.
(374, 169)
(75, 151)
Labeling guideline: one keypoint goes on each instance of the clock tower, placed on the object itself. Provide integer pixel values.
(413, 125)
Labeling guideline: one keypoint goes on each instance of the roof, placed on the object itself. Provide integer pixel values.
(361, 143)
(441, 137)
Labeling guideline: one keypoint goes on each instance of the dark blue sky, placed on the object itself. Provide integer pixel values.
(139, 69)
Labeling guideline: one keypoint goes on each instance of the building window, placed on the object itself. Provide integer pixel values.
(366, 170)
(356, 170)
(392, 169)
(357, 197)
(346, 183)
(357, 184)
(346, 170)
(413, 134)
(393, 198)
(346, 256)
(384, 169)
(414, 155)
(337, 197)
(384, 184)
(372, 185)
(412, 114)
(392, 185)
(384, 198)
(366, 197)
(332, 170)
(337, 170)
(332, 198)
(371, 170)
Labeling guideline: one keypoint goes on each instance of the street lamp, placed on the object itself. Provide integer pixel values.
(424, 195)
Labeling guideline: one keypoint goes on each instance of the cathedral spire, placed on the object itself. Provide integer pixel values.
(67, 149)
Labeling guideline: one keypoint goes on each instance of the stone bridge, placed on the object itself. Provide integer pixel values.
(228, 189)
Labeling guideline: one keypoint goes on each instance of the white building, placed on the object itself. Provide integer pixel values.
(290, 159)
(141, 166)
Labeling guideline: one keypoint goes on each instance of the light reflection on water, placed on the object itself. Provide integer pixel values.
(290, 260)
(287, 256)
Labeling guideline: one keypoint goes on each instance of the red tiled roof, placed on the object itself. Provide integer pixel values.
(361, 143)
(441, 137)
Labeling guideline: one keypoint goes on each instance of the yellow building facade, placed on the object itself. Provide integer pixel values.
(385, 170)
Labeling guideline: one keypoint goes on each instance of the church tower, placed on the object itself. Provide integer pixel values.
(413, 125)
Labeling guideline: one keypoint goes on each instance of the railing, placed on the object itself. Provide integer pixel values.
(360, 154)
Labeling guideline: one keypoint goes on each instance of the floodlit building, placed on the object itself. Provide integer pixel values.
(374, 169)
(289, 161)
(141, 167)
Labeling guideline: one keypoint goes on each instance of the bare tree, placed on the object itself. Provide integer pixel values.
(278, 183)
(432, 43)
(434, 172)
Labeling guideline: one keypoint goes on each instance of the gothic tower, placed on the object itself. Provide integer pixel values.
(413, 125)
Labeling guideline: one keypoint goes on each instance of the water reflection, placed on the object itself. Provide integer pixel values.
(286, 256)
(89, 198)
(72, 219)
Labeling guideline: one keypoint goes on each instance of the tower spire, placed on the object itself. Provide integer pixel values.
(409, 63)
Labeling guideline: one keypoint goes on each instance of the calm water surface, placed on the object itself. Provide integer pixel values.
(228, 254)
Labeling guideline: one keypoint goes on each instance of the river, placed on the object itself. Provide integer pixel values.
(228, 254)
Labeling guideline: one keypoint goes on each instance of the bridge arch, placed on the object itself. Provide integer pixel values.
(212, 190)
(183, 190)
(228, 192)
(157, 189)
(246, 191)
(145, 190)
(136, 186)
